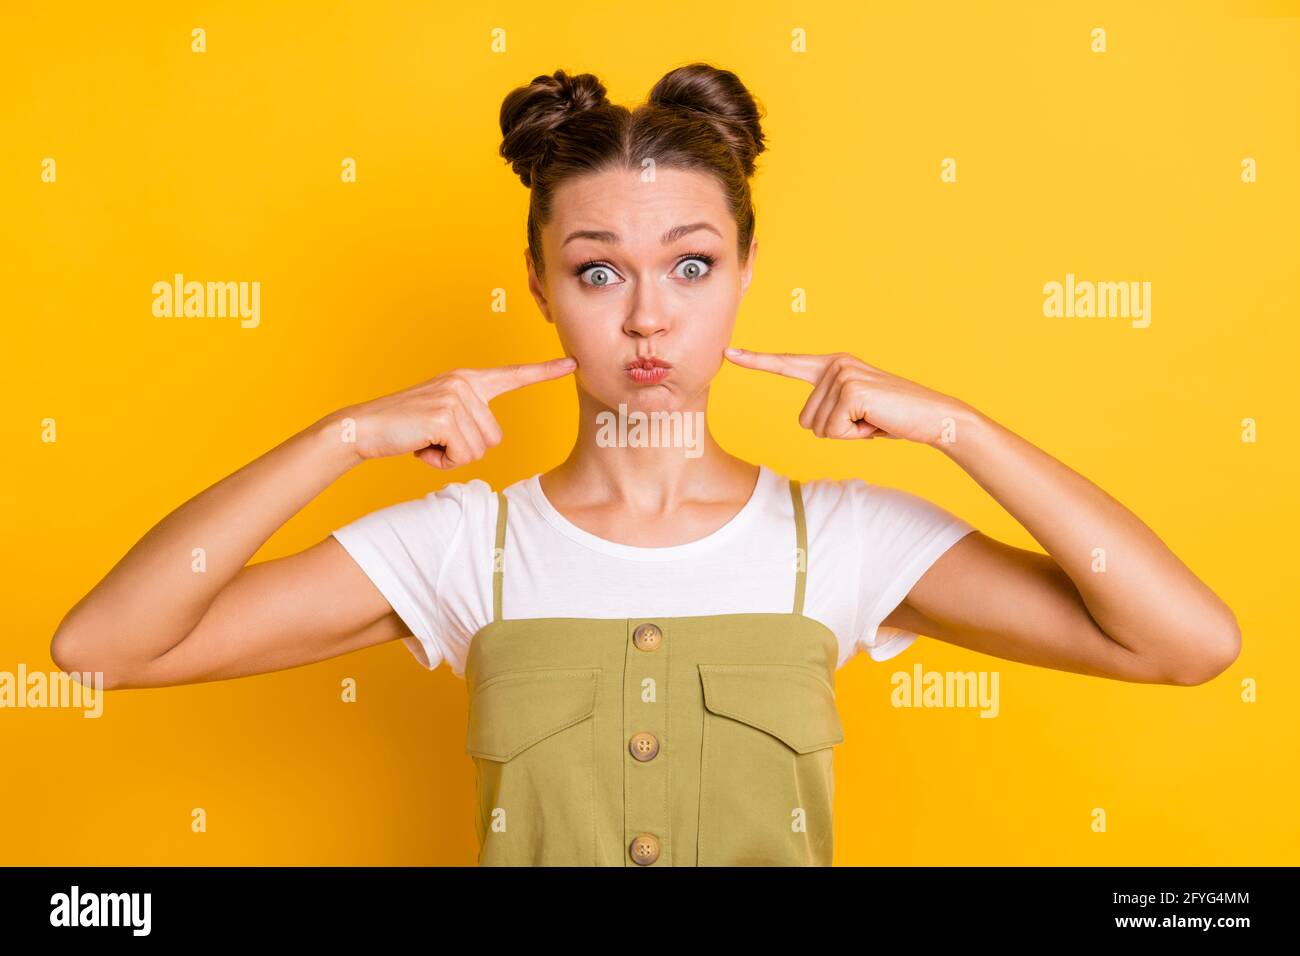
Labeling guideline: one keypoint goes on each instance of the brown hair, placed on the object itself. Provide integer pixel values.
(697, 117)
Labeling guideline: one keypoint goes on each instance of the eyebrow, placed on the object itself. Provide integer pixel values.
(672, 235)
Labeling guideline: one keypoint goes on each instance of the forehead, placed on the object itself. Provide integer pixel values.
(639, 212)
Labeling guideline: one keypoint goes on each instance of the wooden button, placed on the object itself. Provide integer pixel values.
(647, 637)
(644, 745)
(644, 849)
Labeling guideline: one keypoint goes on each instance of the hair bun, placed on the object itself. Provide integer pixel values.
(719, 97)
(531, 115)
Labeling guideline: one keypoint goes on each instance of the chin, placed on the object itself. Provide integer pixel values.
(651, 398)
(639, 398)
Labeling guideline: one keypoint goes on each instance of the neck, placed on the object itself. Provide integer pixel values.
(614, 459)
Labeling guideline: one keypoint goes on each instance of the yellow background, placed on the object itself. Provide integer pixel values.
(225, 165)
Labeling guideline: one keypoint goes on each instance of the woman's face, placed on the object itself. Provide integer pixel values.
(639, 270)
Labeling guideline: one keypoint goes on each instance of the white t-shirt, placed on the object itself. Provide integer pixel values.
(431, 557)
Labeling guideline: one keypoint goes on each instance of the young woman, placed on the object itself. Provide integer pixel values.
(649, 634)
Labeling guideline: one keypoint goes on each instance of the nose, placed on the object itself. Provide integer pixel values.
(648, 312)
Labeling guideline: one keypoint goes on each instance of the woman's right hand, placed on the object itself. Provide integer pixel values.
(445, 421)
(152, 622)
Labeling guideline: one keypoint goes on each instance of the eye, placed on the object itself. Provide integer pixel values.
(698, 265)
(601, 274)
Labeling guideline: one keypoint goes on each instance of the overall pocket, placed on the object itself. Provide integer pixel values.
(532, 736)
(766, 773)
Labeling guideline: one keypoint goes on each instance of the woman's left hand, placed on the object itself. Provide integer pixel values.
(852, 399)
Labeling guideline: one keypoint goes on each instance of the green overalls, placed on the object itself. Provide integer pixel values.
(671, 741)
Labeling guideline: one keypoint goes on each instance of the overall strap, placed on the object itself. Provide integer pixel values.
(498, 556)
(801, 541)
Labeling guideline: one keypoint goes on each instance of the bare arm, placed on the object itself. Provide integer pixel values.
(135, 621)
(278, 614)
(1019, 605)
(167, 615)
(1108, 599)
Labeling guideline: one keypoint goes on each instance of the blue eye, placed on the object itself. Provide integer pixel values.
(597, 269)
(692, 261)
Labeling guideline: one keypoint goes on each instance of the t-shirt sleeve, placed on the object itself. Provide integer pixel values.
(902, 535)
(404, 549)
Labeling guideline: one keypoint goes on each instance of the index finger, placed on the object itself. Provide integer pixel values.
(504, 378)
(808, 368)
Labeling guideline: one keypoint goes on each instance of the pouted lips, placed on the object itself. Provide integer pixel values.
(647, 370)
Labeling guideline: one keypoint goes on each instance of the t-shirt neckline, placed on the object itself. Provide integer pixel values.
(758, 499)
